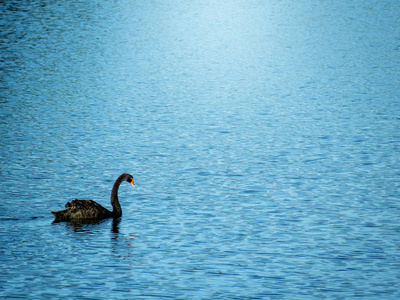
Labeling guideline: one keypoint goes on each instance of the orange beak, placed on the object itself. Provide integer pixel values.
(133, 184)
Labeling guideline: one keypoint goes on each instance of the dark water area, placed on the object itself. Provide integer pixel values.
(263, 137)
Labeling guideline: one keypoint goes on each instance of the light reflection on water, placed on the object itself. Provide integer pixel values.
(263, 138)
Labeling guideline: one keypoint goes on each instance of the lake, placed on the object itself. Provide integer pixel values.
(263, 137)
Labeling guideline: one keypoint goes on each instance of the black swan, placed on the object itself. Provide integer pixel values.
(88, 209)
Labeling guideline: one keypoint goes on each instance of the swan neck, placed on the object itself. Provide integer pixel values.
(117, 211)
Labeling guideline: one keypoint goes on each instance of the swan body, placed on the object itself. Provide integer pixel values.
(91, 210)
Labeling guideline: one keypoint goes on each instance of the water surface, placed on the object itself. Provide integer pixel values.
(263, 137)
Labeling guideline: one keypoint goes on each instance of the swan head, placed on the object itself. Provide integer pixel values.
(129, 178)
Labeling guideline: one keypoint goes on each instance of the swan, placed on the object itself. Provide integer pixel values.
(89, 209)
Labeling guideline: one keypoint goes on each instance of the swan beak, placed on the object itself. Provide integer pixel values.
(133, 184)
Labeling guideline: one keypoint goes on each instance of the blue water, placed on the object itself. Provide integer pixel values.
(263, 137)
